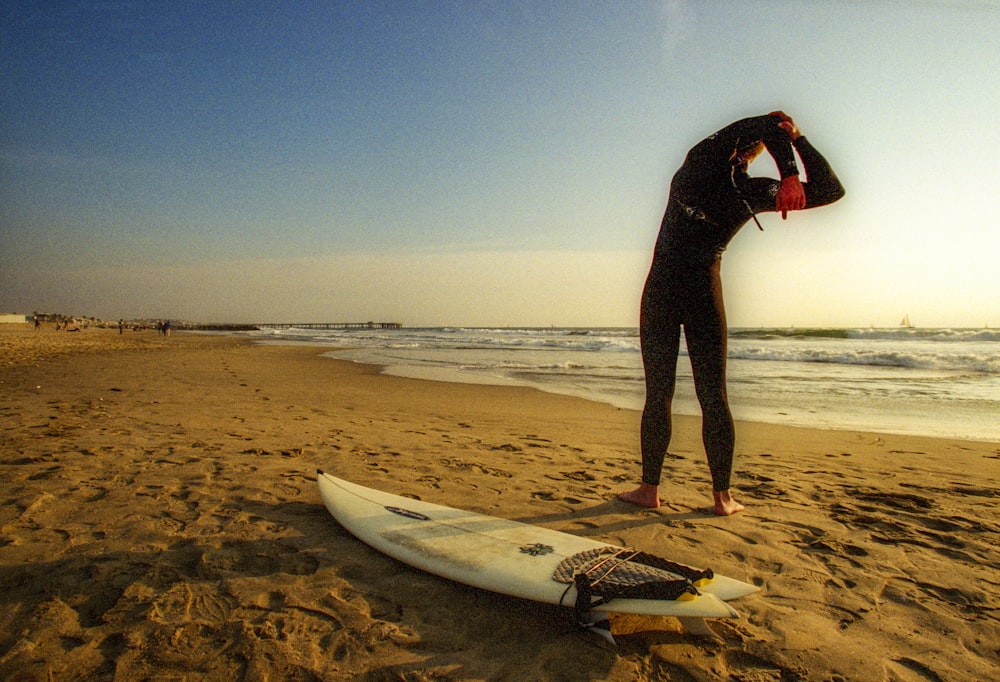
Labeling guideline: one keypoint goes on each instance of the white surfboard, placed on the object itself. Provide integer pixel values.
(495, 554)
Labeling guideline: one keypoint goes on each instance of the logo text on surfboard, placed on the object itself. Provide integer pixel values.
(408, 514)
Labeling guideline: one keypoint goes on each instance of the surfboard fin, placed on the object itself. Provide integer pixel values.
(698, 627)
(601, 628)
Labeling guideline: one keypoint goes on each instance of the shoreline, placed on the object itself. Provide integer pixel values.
(873, 385)
(149, 339)
(686, 409)
(161, 517)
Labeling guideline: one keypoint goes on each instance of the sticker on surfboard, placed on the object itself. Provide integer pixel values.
(537, 549)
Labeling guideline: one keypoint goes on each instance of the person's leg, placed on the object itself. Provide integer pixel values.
(659, 334)
(706, 335)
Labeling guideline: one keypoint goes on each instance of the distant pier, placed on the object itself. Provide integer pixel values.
(330, 325)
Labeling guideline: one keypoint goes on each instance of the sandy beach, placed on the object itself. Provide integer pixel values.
(160, 521)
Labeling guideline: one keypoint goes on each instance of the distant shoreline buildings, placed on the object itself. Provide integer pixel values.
(153, 323)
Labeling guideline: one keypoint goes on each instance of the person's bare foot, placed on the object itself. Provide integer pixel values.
(645, 496)
(725, 505)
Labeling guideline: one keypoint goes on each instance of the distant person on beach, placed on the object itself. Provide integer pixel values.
(711, 198)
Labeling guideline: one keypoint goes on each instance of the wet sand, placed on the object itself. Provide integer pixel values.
(159, 519)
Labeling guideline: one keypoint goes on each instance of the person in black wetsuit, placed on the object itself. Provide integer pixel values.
(711, 198)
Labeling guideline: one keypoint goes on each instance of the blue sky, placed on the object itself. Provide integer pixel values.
(485, 163)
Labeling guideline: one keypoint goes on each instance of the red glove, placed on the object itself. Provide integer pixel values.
(787, 124)
(791, 196)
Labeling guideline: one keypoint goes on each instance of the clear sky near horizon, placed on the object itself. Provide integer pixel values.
(485, 163)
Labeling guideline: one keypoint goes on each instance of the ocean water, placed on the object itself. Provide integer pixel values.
(940, 382)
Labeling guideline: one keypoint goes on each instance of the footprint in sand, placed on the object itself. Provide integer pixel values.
(193, 602)
(545, 496)
(259, 558)
(904, 668)
(836, 548)
(899, 501)
(466, 466)
(508, 447)
(745, 665)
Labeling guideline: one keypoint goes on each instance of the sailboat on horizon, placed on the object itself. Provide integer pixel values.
(905, 322)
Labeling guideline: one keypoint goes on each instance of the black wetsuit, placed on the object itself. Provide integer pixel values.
(710, 200)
